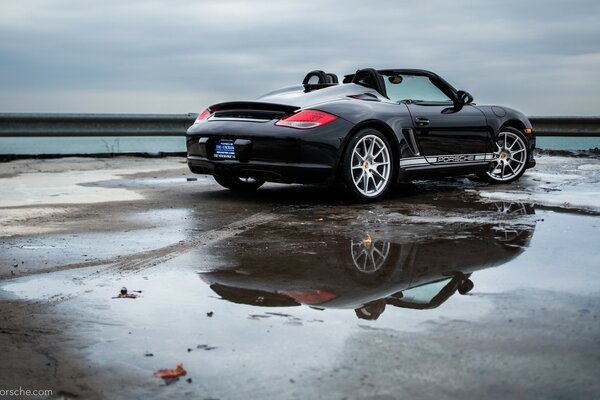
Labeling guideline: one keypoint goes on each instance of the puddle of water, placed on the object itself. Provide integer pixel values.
(286, 297)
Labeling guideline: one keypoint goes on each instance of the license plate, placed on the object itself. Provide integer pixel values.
(224, 149)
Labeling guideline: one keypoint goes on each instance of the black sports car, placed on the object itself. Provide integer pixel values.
(375, 129)
(419, 271)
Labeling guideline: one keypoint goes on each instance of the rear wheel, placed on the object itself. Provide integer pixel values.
(239, 184)
(367, 166)
(511, 155)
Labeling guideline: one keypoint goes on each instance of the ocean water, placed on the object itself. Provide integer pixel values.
(566, 143)
(169, 144)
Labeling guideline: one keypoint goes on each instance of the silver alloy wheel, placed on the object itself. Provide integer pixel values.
(371, 166)
(510, 157)
(505, 231)
(369, 258)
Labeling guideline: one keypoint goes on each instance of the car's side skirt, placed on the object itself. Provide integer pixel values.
(450, 160)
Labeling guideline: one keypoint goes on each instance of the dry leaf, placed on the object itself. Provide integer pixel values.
(171, 373)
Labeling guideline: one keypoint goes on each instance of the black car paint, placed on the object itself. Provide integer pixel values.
(284, 154)
(436, 257)
(279, 154)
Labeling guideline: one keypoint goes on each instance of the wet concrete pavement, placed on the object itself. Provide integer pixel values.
(446, 289)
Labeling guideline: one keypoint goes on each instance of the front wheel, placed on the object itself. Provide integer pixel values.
(367, 166)
(510, 156)
(238, 184)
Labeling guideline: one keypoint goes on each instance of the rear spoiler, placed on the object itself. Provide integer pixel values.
(251, 110)
(252, 105)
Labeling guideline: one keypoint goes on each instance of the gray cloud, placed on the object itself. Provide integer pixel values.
(179, 56)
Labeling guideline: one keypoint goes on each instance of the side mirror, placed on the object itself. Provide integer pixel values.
(464, 97)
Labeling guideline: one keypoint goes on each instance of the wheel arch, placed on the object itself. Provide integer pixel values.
(512, 123)
(386, 131)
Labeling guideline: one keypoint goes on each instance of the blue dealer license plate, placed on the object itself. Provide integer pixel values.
(224, 149)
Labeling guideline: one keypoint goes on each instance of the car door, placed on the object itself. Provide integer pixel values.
(444, 132)
(441, 130)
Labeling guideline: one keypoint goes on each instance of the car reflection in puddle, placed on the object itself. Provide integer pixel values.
(367, 274)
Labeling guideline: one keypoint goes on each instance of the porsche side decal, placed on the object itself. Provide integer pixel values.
(446, 159)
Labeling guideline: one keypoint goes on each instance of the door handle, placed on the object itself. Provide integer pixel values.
(422, 121)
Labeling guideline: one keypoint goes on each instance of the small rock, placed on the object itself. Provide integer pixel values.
(15, 265)
(148, 354)
(209, 314)
(189, 380)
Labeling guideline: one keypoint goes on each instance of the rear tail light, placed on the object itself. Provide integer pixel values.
(306, 119)
(309, 296)
(203, 116)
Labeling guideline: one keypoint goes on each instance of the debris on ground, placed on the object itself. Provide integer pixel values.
(209, 314)
(258, 316)
(367, 240)
(171, 375)
(124, 294)
(148, 354)
(205, 347)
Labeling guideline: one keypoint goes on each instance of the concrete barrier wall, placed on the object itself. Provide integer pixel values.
(89, 125)
(566, 126)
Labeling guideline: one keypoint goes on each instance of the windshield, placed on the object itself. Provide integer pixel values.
(413, 88)
(424, 294)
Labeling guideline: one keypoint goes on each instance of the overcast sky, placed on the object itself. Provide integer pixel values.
(178, 56)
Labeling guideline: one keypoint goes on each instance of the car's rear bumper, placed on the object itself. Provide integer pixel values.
(268, 171)
(268, 152)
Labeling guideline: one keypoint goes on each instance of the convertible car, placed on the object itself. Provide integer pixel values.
(365, 274)
(375, 129)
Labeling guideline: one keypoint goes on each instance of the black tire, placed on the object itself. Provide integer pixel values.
(465, 286)
(511, 163)
(238, 184)
(375, 175)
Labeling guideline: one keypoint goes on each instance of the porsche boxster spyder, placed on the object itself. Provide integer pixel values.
(423, 270)
(376, 128)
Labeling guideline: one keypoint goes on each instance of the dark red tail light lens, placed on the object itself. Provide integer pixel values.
(309, 296)
(203, 116)
(306, 119)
